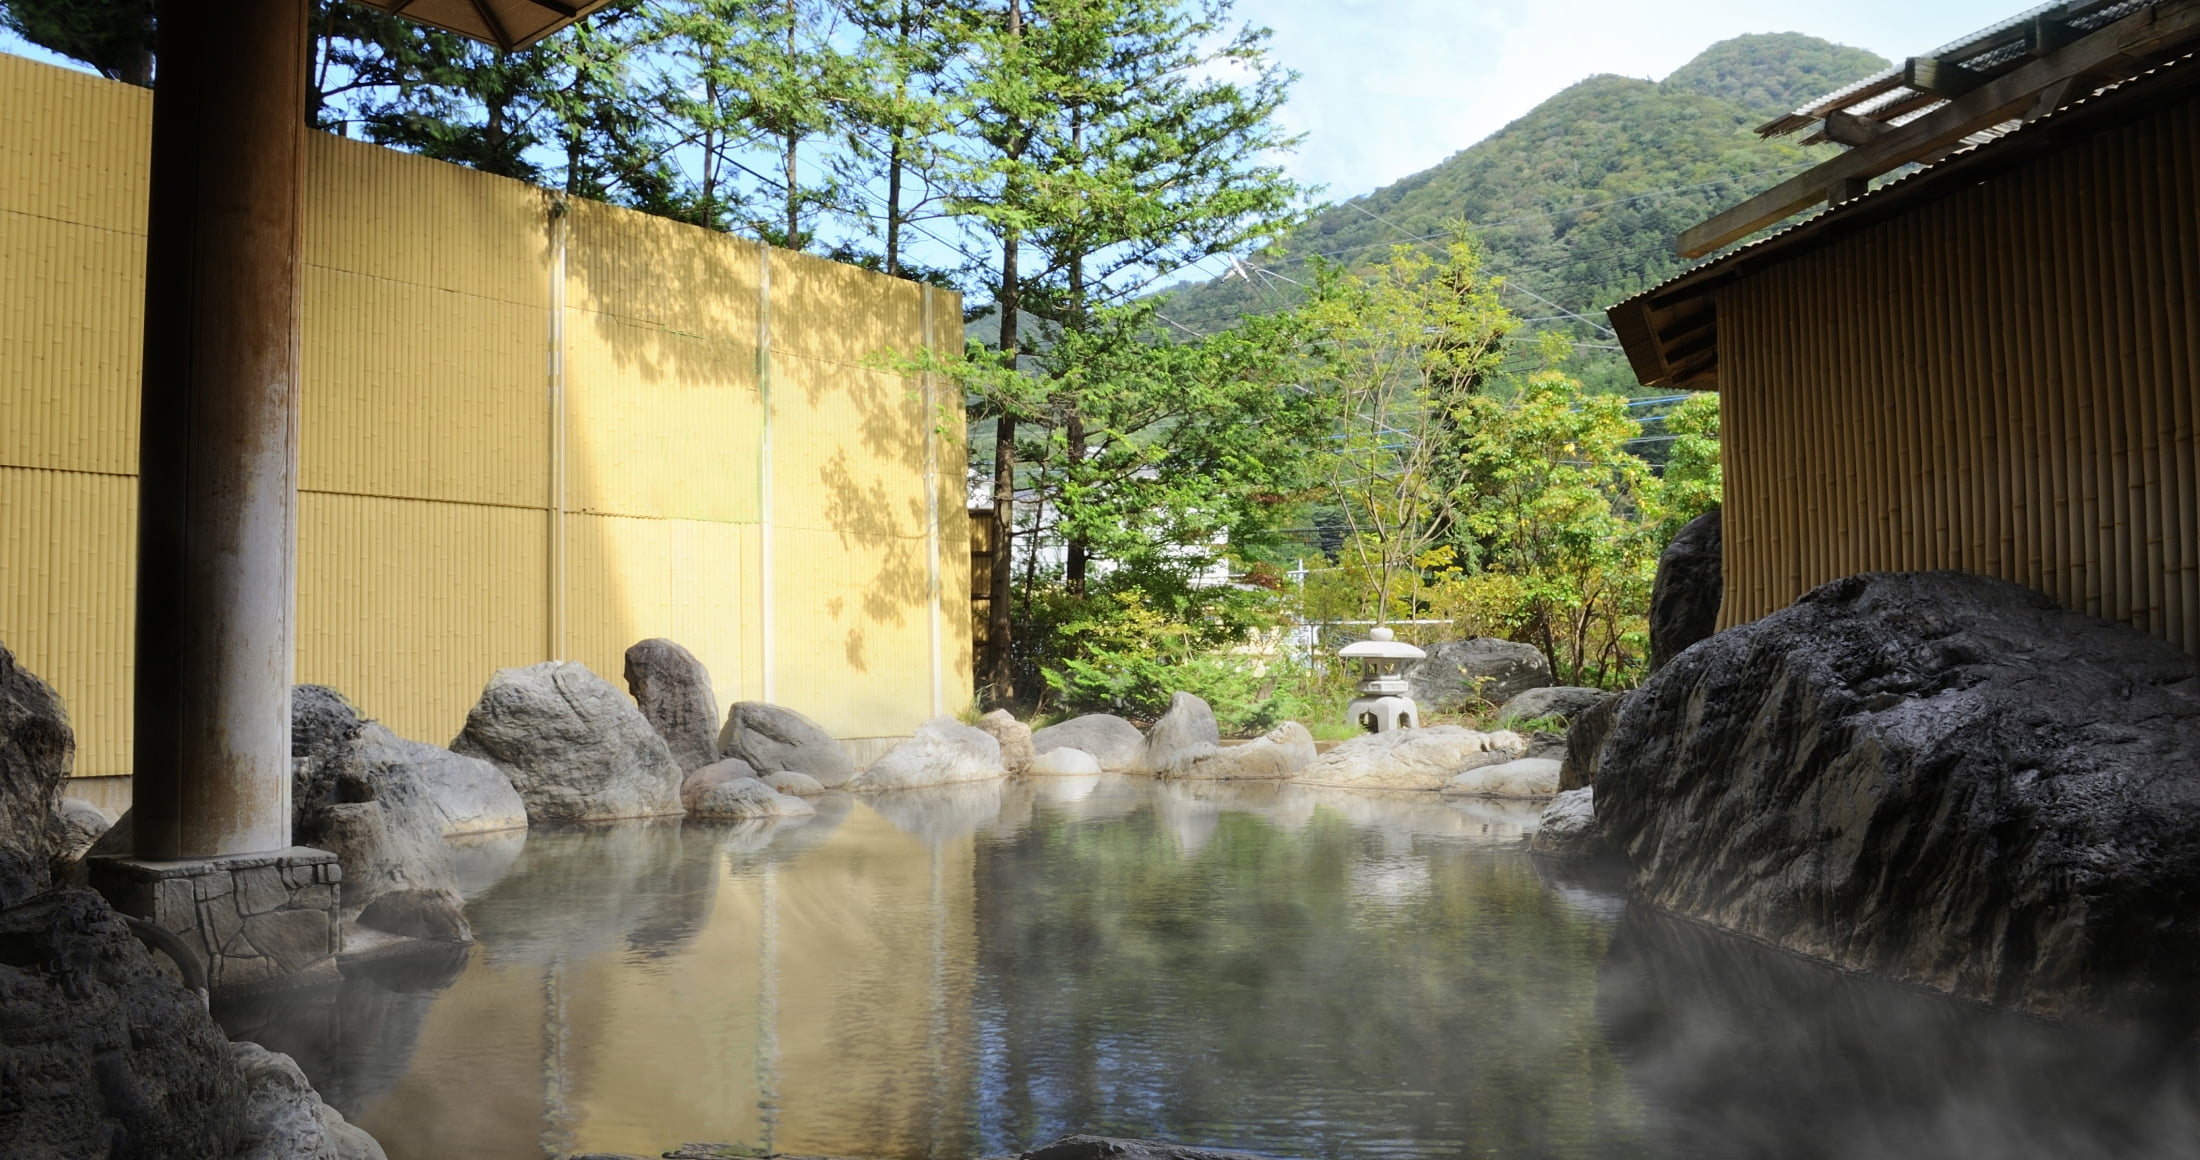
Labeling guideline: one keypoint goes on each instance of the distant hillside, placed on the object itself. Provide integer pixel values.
(1578, 202)
(1774, 72)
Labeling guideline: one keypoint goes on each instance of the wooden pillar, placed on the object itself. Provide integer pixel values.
(218, 464)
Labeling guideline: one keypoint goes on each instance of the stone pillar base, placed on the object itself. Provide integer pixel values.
(257, 921)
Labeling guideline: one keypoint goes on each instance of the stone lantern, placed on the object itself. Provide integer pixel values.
(1382, 704)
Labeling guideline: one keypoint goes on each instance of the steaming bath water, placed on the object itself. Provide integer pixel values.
(975, 970)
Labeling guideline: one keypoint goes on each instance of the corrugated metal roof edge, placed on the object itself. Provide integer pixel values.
(2080, 118)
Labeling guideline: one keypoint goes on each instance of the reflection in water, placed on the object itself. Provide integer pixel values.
(971, 970)
(1743, 1051)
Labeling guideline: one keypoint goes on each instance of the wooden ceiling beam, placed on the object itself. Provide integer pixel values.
(2007, 97)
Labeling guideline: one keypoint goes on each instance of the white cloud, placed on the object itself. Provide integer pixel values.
(1391, 87)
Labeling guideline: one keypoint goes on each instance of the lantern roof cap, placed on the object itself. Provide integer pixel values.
(1381, 644)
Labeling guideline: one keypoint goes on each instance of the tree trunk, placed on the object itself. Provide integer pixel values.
(999, 637)
(1000, 675)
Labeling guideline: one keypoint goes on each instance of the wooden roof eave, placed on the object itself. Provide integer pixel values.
(1646, 322)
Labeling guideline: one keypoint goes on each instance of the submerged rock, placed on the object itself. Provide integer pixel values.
(1458, 674)
(355, 793)
(1424, 759)
(1064, 762)
(1279, 753)
(36, 750)
(1937, 776)
(101, 1053)
(1110, 1148)
(285, 1119)
(1526, 777)
(943, 752)
(1691, 583)
(1116, 743)
(771, 738)
(1184, 734)
(748, 797)
(1014, 736)
(575, 748)
(673, 691)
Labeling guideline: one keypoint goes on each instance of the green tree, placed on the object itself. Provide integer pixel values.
(1414, 340)
(113, 36)
(1561, 517)
(895, 109)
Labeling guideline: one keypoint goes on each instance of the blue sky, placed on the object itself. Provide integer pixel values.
(1391, 87)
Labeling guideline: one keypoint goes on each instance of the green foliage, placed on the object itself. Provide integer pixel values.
(1126, 650)
(1693, 481)
(1409, 344)
(1771, 73)
(113, 36)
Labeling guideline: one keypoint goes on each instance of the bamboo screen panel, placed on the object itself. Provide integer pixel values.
(2001, 381)
(530, 429)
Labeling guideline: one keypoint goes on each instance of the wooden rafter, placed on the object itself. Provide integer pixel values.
(2118, 48)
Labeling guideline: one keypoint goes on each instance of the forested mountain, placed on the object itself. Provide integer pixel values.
(1578, 202)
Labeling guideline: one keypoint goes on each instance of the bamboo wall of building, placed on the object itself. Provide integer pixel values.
(531, 428)
(2005, 380)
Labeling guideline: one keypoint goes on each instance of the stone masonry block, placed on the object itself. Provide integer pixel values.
(297, 939)
(261, 889)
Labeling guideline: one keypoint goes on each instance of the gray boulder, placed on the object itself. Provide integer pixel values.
(36, 750)
(77, 825)
(1064, 762)
(1014, 736)
(748, 797)
(788, 781)
(1458, 674)
(285, 1119)
(574, 747)
(943, 752)
(1568, 701)
(1568, 826)
(1936, 776)
(103, 1054)
(1524, 777)
(1585, 742)
(717, 773)
(474, 796)
(1691, 583)
(772, 738)
(1280, 753)
(1114, 741)
(1184, 734)
(673, 691)
(355, 794)
(1423, 759)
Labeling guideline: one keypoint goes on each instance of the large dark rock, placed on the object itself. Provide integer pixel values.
(36, 750)
(101, 1053)
(1939, 777)
(355, 793)
(1109, 1148)
(574, 747)
(772, 738)
(673, 690)
(1684, 602)
(1585, 742)
(1458, 674)
(1568, 701)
